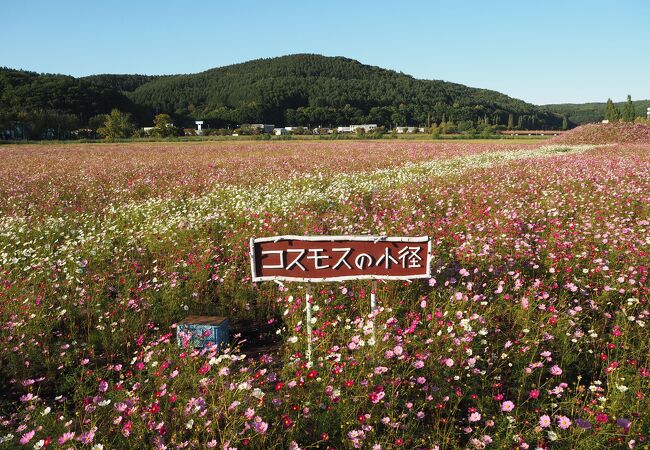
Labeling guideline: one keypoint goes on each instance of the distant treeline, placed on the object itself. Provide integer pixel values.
(298, 90)
(593, 112)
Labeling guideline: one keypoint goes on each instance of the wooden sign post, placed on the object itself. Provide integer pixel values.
(317, 259)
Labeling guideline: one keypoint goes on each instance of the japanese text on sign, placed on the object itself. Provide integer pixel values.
(332, 258)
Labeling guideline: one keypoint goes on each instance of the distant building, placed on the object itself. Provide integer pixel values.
(264, 127)
(280, 131)
(367, 127)
(344, 129)
(401, 130)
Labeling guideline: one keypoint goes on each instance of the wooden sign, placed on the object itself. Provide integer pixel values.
(338, 258)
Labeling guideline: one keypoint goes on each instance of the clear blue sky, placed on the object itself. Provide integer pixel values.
(538, 51)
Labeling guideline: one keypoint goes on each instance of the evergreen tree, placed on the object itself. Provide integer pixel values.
(511, 121)
(612, 114)
(628, 110)
(565, 123)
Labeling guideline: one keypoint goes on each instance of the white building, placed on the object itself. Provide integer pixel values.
(368, 127)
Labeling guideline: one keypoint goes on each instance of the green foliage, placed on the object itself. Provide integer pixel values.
(579, 114)
(120, 83)
(317, 90)
(448, 127)
(163, 126)
(612, 113)
(117, 125)
(298, 90)
(628, 110)
(41, 106)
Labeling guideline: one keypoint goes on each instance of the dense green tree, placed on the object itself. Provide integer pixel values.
(511, 121)
(164, 127)
(565, 123)
(628, 110)
(612, 113)
(117, 125)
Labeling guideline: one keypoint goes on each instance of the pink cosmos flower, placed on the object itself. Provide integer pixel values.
(259, 425)
(563, 422)
(87, 437)
(544, 421)
(27, 437)
(475, 417)
(65, 437)
(556, 370)
(507, 406)
(375, 397)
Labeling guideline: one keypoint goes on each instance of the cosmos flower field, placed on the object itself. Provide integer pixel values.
(534, 331)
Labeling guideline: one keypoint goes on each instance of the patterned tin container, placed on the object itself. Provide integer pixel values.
(203, 331)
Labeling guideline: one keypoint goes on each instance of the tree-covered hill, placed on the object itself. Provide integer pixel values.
(317, 90)
(120, 83)
(290, 90)
(27, 92)
(581, 113)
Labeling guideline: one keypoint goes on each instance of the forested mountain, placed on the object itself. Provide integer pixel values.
(290, 90)
(582, 113)
(49, 105)
(318, 90)
(23, 91)
(121, 83)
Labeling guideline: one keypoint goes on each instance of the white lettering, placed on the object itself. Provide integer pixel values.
(316, 256)
(274, 252)
(359, 260)
(409, 257)
(387, 257)
(296, 262)
(346, 251)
